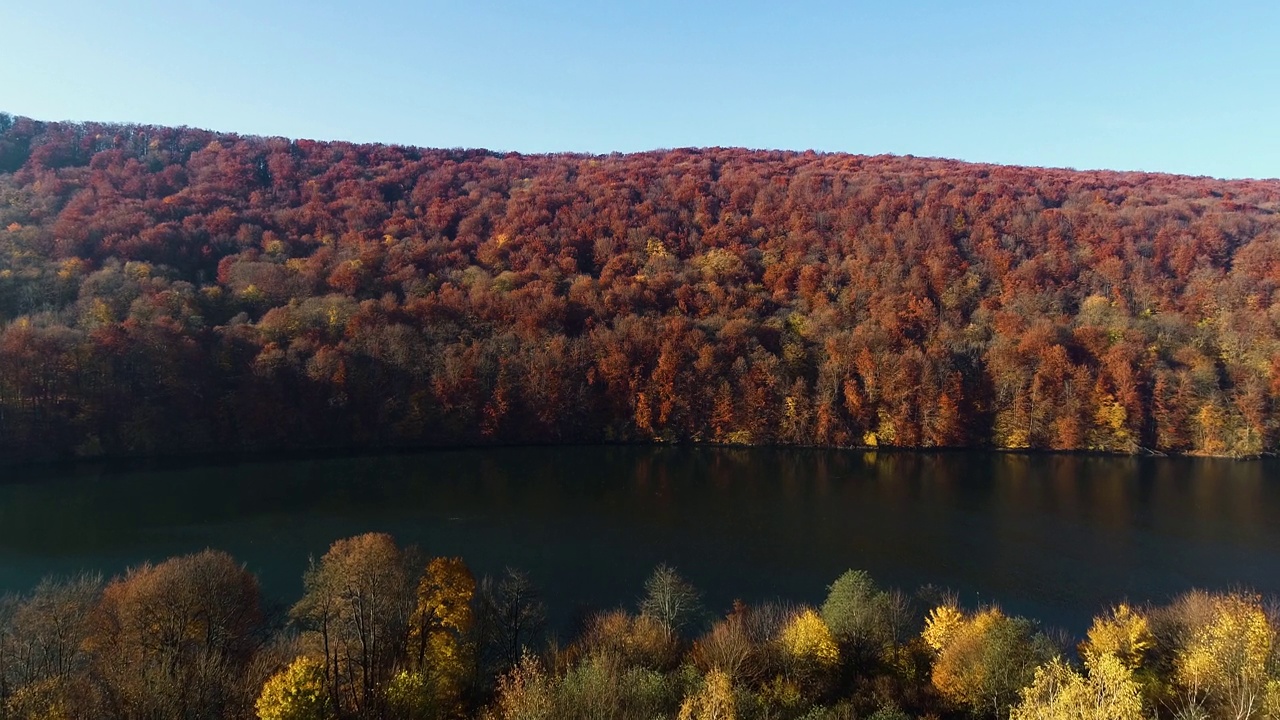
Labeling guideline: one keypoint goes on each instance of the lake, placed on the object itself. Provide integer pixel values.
(1055, 537)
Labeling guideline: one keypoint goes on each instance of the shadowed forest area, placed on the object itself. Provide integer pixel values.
(381, 632)
(170, 291)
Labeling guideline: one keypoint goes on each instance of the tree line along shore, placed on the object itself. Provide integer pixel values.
(383, 632)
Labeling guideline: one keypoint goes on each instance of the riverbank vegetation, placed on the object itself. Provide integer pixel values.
(169, 290)
(382, 632)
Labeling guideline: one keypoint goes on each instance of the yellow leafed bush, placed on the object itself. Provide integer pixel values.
(941, 625)
(295, 693)
(1122, 633)
(1060, 693)
(807, 638)
(714, 701)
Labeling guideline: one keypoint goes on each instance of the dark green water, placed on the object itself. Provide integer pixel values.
(1054, 537)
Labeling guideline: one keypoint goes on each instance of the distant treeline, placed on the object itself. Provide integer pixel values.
(382, 633)
(172, 290)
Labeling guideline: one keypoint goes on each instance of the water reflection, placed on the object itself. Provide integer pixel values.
(1053, 536)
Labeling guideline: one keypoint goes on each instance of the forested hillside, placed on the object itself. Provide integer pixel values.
(173, 290)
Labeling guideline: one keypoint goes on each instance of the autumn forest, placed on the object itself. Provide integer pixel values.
(171, 291)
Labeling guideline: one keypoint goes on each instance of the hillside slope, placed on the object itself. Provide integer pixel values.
(174, 290)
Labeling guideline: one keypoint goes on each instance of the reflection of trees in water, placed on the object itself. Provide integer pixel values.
(736, 516)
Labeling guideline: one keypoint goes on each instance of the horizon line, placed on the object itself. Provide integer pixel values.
(659, 149)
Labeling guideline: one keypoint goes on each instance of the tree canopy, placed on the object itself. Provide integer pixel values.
(171, 290)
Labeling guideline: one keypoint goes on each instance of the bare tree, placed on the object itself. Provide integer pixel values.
(49, 627)
(512, 616)
(728, 646)
(8, 607)
(671, 600)
(172, 640)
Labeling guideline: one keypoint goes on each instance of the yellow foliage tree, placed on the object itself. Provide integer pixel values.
(439, 626)
(941, 625)
(40, 700)
(808, 639)
(1271, 703)
(1110, 429)
(714, 701)
(810, 655)
(1210, 421)
(295, 693)
(1060, 693)
(984, 660)
(1122, 633)
(959, 673)
(1225, 661)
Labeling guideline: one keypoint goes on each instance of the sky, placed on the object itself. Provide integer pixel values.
(1173, 86)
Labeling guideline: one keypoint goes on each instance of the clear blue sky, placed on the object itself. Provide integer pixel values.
(1187, 87)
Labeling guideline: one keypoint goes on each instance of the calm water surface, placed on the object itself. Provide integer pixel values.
(1051, 536)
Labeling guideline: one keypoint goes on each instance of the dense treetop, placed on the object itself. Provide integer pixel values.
(172, 290)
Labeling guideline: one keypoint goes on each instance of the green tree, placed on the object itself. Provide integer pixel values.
(411, 696)
(604, 686)
(859, 614)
